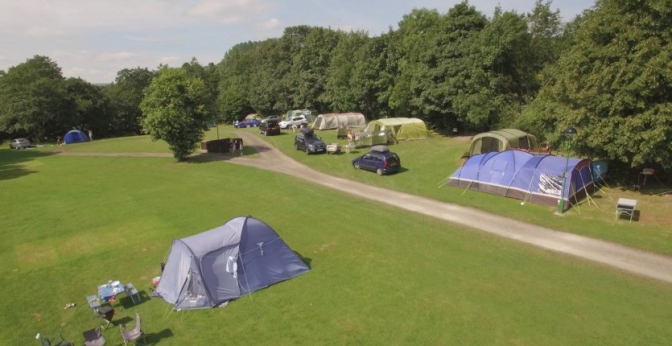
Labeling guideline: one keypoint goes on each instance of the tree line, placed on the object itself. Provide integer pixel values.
(607, 73)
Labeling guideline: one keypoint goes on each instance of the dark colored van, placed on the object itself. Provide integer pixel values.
(380, 160)
(269, 127)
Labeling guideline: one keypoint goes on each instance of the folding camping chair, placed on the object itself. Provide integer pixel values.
(134, 334)
(132, 292)
(94, 337)
(106, 313)
(58, 340)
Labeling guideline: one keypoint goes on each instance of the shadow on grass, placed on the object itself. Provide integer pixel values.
(211, 157)
(127, 302)
(122, 321)
(156, 338)
(305, 260)
(11, 160)
(626, 216)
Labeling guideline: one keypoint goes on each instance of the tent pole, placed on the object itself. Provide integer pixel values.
(247, 283)
(590, 199)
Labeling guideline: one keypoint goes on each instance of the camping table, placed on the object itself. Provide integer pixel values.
(625, 206)
(107, 291)
(349, 148)
(333, 148)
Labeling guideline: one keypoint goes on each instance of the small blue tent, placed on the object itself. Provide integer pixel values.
(518, 174)
(75, 136)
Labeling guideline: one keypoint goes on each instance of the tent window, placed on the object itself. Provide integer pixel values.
(550, 184)
(499, 166)
(232, 266)
(523, 143)
(489, 144)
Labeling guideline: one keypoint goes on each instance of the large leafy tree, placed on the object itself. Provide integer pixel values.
(234, 82)
(341, 92)
(500, 74)
(372, 80)
(93, 110)
(177, 107)
(546, 35)
(416, 57)
(310, 66)
(614, 84)
(459, 70)
(125, 95)
(265, 78)
(34, 100)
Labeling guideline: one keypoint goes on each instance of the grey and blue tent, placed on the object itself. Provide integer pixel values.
(225, 263)
(521, 175)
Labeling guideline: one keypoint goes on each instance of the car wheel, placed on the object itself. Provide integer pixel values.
(379, 171)
(356, 165)
(296, 146)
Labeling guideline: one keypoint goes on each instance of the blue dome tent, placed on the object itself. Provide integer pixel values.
(520, 175)
(75, 136)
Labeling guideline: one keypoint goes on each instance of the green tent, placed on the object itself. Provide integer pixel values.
(501, 140)
(404, 129)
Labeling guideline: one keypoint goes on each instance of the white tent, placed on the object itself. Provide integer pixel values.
(334, 120)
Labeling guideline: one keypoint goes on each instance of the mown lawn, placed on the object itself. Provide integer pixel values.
(428, 163)
(379, 275)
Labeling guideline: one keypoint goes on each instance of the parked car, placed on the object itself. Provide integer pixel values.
(380, 160)
(269, 127)
(272, 117)
(19, 143)
(239, 124)
(294, 121)
(308, 141)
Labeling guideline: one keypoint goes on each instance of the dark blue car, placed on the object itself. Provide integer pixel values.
(246, 123)
(380, 160)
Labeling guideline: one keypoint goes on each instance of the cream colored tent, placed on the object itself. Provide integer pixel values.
(254, 116)
(335, 120)
(404, 129)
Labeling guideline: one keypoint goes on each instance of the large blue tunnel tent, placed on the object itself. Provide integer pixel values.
(521, 175)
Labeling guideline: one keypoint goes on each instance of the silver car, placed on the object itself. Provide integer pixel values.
(19, 143)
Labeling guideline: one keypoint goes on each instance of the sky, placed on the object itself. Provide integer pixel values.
(94, 39)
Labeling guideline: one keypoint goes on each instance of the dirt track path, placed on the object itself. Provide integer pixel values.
(618, 256)
(635, 261)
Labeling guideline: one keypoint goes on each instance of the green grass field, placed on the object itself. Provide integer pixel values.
(380, 276)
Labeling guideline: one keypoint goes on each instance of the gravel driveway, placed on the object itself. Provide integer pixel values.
(635, 261)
